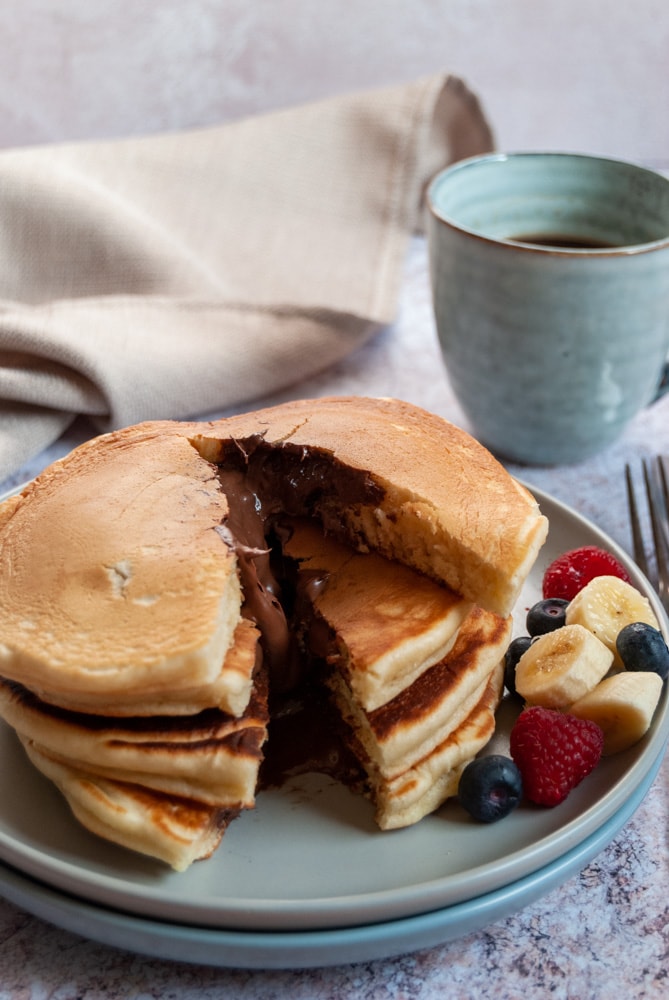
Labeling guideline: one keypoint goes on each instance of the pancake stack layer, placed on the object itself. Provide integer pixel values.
(145, 628)
(415, 670)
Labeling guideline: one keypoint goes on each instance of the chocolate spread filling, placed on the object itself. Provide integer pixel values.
(299, 480)
(264, 486)
(306, 734)
(244, 531)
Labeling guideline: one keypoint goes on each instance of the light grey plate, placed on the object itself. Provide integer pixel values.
(308, 949)
(309, 856)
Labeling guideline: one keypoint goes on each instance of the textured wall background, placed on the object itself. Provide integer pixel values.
(581, 74)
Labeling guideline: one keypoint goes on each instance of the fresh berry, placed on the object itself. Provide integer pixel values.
(570, 572)
(514, 652)
(642, 647)
(554, 752)
(490, 788)
(546, 616)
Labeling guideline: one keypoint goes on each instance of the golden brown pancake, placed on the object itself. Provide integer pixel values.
(229, 691)
(430, 781)
(113, 576)
(388, 622)
(395, 479)
(410, 726)
(176, 831)
(212, 757)
(136, 579)
(437, 710)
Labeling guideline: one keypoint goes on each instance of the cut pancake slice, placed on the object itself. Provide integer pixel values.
(432, 662)
(408, 728)
(388, 623)
(211, 757)
(389, 476)
(423, 787)
(173, 830)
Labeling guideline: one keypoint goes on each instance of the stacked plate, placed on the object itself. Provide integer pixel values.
(307, 879)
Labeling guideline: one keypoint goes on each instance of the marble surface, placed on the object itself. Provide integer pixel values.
(604, 933)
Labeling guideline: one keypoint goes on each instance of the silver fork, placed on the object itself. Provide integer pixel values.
(656, 568)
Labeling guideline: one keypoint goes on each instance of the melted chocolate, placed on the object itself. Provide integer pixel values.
(306, 735)
(262, 483)
(300, 481)
(244, 531)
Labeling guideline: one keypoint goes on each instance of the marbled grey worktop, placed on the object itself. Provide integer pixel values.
(603, 934)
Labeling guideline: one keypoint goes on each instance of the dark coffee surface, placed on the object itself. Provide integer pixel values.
(563, 241)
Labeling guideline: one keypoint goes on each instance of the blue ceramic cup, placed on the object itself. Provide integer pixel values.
(550, 283)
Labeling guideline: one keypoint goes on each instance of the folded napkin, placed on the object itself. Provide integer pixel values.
(178, 274)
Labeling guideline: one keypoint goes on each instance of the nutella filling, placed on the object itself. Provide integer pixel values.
(244, 531)
(306, 734)
(262, 483)
(298, 480)
(265, 485)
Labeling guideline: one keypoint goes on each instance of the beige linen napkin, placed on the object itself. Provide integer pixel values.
(183, 273)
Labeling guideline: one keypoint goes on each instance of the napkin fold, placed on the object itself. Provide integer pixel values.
(178, 274)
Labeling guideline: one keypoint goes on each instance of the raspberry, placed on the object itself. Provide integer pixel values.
(570, 572)
(554, 752)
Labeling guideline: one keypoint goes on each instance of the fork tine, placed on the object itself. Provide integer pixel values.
(651, 496)
(656, 492)
(637, 537)
(664, 490)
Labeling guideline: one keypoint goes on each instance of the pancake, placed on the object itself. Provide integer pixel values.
(390, 477)
(388, 623)
(213, 757)
(119, 575)
(410, 726)
(175, 831)
(366, 615)
(113, 576)
(230, 691)
(405, 799)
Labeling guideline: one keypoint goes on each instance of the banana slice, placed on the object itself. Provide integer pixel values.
(562, 666)
(623, 705)
(605, 606)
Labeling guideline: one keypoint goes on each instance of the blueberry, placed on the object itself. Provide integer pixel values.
(546, 616)
(516, 649)
(490, 788)
(642, 647)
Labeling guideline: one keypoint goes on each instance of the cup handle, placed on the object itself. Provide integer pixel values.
(663, 386)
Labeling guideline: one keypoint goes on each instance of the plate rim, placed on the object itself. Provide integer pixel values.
(302, 949)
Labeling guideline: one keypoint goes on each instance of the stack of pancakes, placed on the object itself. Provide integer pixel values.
(415, 670)
(128, 671)
(143, 620)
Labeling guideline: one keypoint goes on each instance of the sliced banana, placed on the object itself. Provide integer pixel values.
(605, 605)
(562, 666)
(623, 705)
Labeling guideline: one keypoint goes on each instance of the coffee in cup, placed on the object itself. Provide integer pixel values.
(550, 282)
